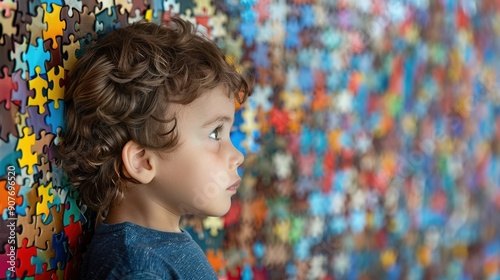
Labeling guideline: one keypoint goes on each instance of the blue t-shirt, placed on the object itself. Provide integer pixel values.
(130, 251)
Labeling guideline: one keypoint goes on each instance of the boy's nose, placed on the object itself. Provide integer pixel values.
(238, 157)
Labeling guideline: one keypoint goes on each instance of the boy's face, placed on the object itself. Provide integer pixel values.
(195, 177)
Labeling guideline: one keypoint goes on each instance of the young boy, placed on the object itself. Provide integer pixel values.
(149, 110)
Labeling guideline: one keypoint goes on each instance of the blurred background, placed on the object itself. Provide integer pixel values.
(370, 138)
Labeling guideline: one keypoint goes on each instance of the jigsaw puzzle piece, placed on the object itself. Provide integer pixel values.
(72, 210)
(36, 56)
(216, 23)
(39, 85)
(86, 24)
(24, 255)
(55, 117)
(69, 52)
(41, 262)
(16, 56)
(24, 144)
(74, 7)
(37, 26)
(7, 23)
(21, 95)
(60, 247)
(71, 16)
(73, 230)
(124, 6)
(56, 92)
(6, 47)
(36, 121)
(42, 207)
(43, 170)
(41, 148)
(29, 230)
(55, 26)
(55, 53)
(105, 20)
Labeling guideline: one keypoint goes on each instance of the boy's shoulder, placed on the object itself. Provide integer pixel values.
(124, 248)
(135, 243)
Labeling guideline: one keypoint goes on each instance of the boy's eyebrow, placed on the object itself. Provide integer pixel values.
(218, 118)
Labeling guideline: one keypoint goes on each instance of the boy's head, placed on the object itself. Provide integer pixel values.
(138, 110)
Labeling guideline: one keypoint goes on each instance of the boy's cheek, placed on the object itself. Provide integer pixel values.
(210, 180)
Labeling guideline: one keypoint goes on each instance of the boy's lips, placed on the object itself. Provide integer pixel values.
(234, 186)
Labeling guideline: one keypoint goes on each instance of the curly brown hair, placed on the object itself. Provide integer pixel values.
(120, 90)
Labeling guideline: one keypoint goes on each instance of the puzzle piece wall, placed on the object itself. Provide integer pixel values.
(371, 137)
(44, 227)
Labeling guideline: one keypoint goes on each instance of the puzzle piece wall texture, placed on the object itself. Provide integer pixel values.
(371, 137)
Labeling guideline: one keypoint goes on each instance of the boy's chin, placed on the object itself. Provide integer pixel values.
(216, 210)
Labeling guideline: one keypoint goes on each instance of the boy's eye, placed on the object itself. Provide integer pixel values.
(216, 132)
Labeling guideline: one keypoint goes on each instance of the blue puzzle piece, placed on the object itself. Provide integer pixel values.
(55, 117)
(306, 80)
(292, 39)
(320, 141)
(259, 249)
(306, 139)
(84, 43)
(248, 15)
(247, 273)
(260, 55)
(104, 22)
(36, 56)
(333, 81)
(318, 204)
(60, 246)
(302, 248)
(339, 181)
(72, 209)
(338, 224)
(38, 262)
(248, 31)
(291, 270)
(307, 18)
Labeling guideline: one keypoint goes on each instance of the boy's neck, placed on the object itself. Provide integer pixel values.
(150, 215)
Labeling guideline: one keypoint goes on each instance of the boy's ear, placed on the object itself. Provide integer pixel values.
(137, 162)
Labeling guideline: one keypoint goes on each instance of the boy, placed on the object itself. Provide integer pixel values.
(149, 110)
